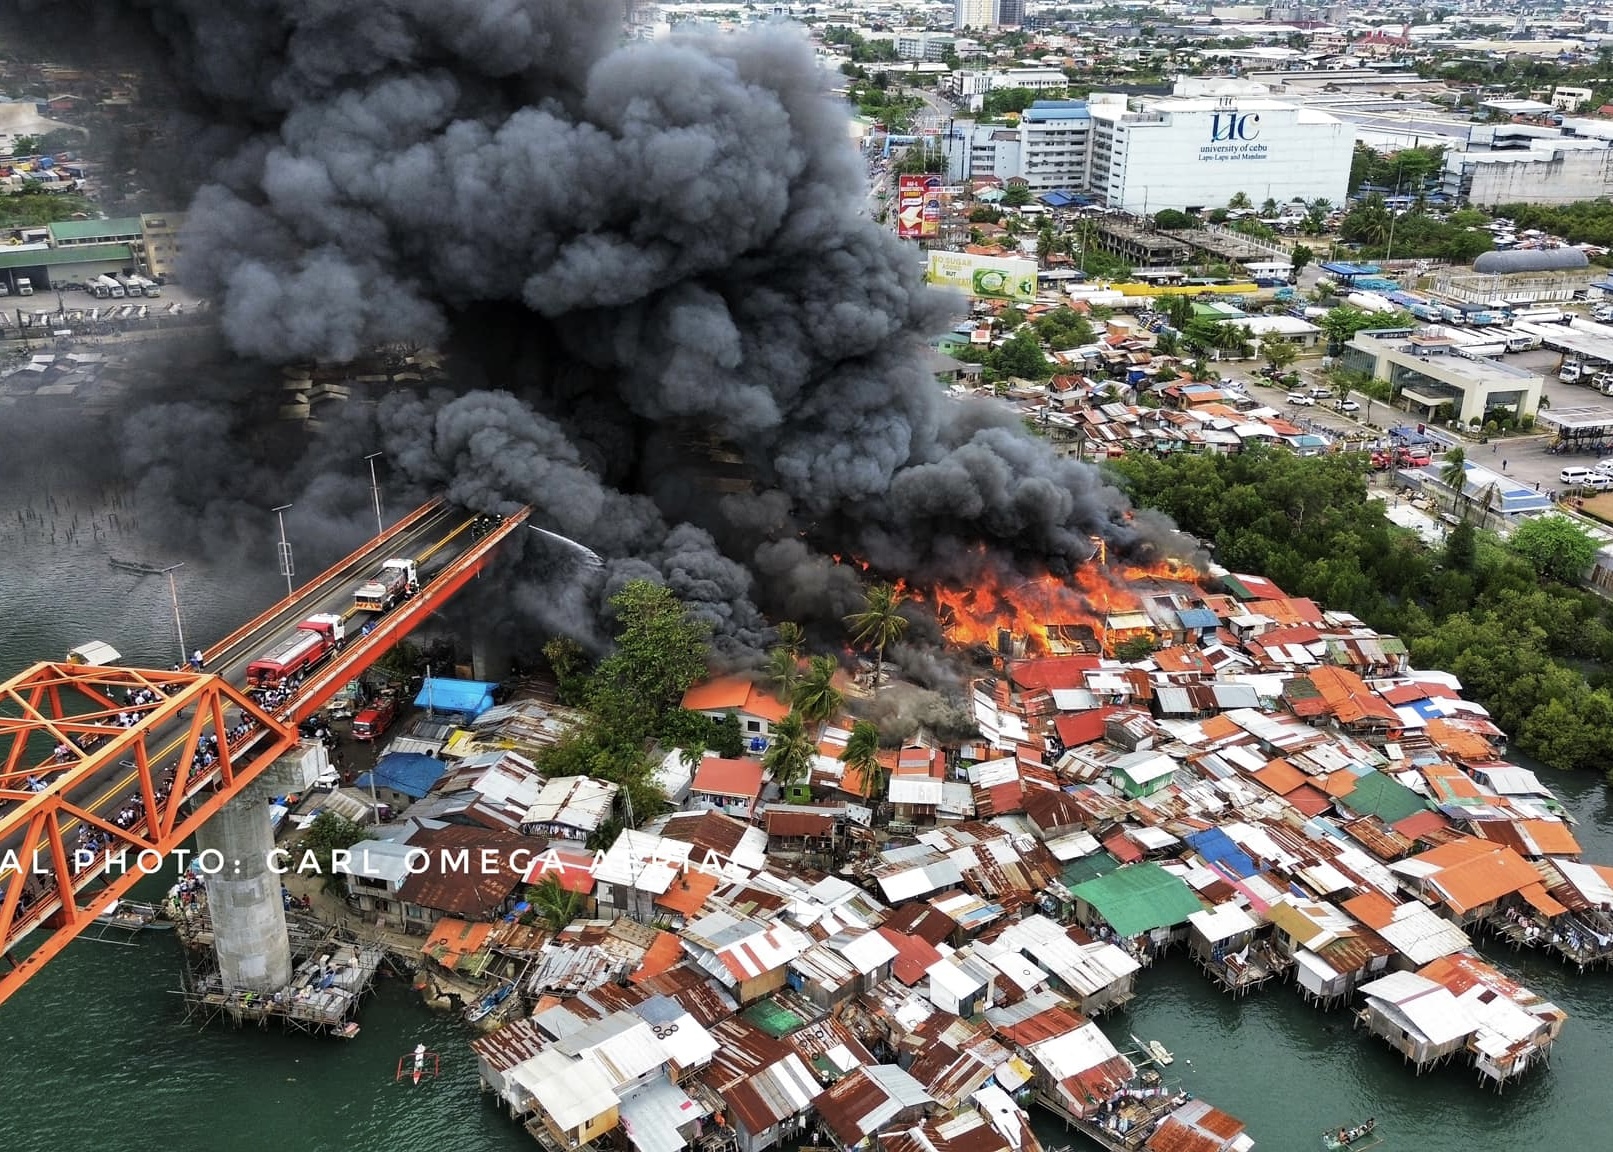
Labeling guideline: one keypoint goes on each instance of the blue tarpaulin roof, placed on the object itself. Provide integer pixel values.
(411, 773)
(1056, 199)
(1197, 618)
(1218, 848)
(469, 698)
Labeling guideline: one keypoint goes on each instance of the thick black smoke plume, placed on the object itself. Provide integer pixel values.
(636, 256)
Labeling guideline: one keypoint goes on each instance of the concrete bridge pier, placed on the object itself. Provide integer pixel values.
(243, 895)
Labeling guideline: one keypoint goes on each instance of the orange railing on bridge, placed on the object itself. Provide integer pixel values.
(42, 885)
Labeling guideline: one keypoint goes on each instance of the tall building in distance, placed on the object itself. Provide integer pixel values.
(1011, 13)
(979, 13)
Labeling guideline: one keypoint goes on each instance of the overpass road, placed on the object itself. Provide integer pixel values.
(145, 786)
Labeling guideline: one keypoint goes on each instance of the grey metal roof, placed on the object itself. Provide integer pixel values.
(1529, 260)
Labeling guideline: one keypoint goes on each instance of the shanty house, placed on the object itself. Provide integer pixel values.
(573, 1098)
(748, 957)
(1198, 1127)
(1469, 878)
(1143, 773)
(570, 808)
(960, 985)
(1417, 1017)
(868, 1100)
(1097, 976)
(1141, 900)
(765, 1087)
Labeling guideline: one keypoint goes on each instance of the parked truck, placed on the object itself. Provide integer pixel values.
(25, 286)
(394, 583)
(131, 285)
(149, 287)
(376, 719)
(315, 638)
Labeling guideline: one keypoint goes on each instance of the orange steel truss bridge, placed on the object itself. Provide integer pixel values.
(90, 802)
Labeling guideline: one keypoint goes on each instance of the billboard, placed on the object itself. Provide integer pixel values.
(987, 277)
(918, 207)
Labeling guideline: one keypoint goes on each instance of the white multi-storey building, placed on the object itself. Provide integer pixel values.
(1200, 152)
(975, 13)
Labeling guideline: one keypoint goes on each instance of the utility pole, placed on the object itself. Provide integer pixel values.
(173, 596)
(287, 568)
(375, 491)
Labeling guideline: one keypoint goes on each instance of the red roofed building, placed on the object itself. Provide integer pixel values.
(1197, 1127)
(757, 709)
(732, 787)
(1052, 672)
(1077, 728)
(914, 956)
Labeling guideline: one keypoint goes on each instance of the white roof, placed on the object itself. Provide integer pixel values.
(1151, 838)
(914, 790)
(866, 952)
(1222, 922)
(1427, 1007)
(1073, 846)
(1074, 1052)
(1421, 934)
(653, 1113)
(575, 801)
(1147, 768)
(572, 1092)
(1587, 881)
(623, 1045)
(1085, 968)
(953, 980)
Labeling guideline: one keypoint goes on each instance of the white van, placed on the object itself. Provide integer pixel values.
(1575, 477)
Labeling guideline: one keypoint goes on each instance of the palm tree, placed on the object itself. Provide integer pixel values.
(788, 758)
(815, 694)
(1239, 200)
(879, 623)
(1454, 471)
(1269, 208)
(555, 905)
(862, 753)
(783, 671)
(790, 637)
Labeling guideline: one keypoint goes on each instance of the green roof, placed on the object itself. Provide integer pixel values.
(773, 1018)
(90, 229)
(1140, 898)
(1384, 797)
(1084, 868)
(53, 257)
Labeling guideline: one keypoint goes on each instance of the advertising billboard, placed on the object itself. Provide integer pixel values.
(987, 277)
(918, 207)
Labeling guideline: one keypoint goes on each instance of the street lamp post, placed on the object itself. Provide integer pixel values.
(375, 491)
(173, 596)
(287, 568)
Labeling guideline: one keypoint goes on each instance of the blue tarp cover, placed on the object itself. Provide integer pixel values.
(412, 773)
(467, 697)
(1218, 848)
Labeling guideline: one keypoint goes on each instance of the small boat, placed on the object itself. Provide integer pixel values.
(134, 566)
(1154, 1050)
(417, 1065)
(484, 1007)
(1355, 1136)
(129, 916)
(346, 1031)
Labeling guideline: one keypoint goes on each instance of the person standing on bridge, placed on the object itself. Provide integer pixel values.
(196, 660)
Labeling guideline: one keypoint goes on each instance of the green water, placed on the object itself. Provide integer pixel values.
(98, 1056)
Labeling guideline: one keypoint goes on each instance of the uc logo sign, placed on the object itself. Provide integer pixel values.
(1234, 126)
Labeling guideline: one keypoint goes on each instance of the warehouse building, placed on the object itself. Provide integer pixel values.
(44, 267)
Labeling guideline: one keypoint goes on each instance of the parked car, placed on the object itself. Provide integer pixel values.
(1349, 406)
(1300, 399)
(1603, 466)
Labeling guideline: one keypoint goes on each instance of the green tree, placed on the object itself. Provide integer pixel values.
(1279, 351)
(1179, 311)
(1555, 547)
(879, 624)
(1301, 257)
(327, 834)
(1016, 196)
(862, 754)
(555, 905)
(1240, 201)
(727, 739)
(569, 663)
(1172, 220)
(1063, 328)
(1135, 648)
(788, 758)
(660, 651)
(816, 697)
(1046, 243)
(1461, 547)
(1453, 472)
(1020, 356)
(783, 671)
(790, 637)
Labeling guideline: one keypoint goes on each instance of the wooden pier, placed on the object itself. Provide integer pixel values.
(1240, 977)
